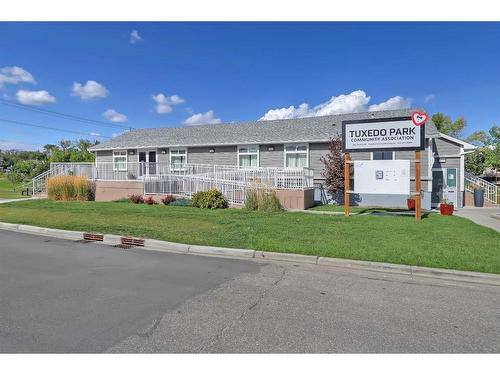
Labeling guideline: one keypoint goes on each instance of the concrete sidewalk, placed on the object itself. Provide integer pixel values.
(487, 216)
(3, 200)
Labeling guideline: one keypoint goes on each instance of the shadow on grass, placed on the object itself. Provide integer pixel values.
(391, 212)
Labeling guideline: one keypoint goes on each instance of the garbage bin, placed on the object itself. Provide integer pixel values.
(478, 197)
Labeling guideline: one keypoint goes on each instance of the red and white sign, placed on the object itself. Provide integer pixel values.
(419, 118)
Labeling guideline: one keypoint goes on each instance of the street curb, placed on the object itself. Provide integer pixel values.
(174, 247)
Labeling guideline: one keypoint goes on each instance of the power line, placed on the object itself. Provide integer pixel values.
(52, 128)
(60, 114)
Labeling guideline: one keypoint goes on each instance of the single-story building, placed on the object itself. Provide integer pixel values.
(282, 144)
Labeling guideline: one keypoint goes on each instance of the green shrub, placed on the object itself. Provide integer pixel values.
(263, 200)
(252, 200)
(181, 202)
(269, 202)
(212, 199)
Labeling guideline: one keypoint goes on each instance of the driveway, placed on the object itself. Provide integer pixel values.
(487, 216)
(62, 296)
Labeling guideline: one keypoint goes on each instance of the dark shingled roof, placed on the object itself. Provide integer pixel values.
(309, 129)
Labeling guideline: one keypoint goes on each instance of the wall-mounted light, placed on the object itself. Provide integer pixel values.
(212, 150)
(163, 151)
(270, 148)
(131, 152)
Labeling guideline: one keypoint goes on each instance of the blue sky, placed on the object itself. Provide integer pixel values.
(229, 72)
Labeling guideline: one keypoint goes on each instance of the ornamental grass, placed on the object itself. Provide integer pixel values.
(69, 188)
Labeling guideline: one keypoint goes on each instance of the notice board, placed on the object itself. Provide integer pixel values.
(382, 176)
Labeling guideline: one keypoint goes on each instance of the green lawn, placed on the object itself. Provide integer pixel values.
(436, 241)
(6, 189)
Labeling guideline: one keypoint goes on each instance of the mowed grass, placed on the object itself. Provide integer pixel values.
(6, 190)
(436, 241)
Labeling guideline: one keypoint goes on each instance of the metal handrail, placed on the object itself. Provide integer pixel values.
(490, 189)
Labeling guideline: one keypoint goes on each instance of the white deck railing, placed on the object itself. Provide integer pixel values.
(282, 178)
(185, 179)
(490, 190)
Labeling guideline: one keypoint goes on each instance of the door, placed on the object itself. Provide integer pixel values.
(152, 162)
(147, 163)
(444, 186)
(450, 191)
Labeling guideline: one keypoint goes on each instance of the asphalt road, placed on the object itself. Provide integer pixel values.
(61, 296)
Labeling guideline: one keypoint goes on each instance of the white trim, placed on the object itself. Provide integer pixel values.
(238, 153)
(393, 154)
(273, 142)
(117, 155)
(285, 152)
(462, 171)
(466, 145)
(430, 162)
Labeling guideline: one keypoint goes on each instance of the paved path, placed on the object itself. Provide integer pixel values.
(62, 296)
(487, 216)
(3, 200)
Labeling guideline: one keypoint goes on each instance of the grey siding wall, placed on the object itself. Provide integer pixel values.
(104, 156)
(162, 158)
(223, 155)
(274, 159)
(445, 147)
(316, 152)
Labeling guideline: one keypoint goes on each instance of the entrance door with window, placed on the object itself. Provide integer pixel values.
(444, 186)
(147, 163)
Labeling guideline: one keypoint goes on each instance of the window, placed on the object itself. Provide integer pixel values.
(120, 160)
(382, 155)
(178, 157)
(248, 156)
(296, 156)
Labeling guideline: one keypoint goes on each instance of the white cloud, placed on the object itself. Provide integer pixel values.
(89, 91)
(6, 144)
(165, 103)
(35, 97)
(202, 119)
(94, 134)
(429, 98)
(396, 102)
(15, 75)
(135, 37)
(114, 116)
(356, 101)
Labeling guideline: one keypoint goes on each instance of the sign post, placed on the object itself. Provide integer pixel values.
(347, 182)
(385, 134)
(418, 188)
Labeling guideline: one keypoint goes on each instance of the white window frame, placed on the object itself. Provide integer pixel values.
(285, 152)
(248, 153)
(393, 155)
(175, 152)
(120, 154)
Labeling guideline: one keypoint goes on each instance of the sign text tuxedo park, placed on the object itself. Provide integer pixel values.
(370, 135)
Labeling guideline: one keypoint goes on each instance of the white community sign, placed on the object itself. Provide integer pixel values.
(370, 135)
(382, 176)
